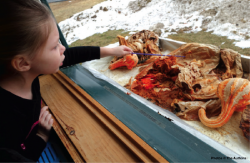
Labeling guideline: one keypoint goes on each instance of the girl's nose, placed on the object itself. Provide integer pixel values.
(62, 49)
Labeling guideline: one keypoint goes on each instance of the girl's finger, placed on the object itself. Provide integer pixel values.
(44, 114)
(127, 49)
(43, 110)
(41, 115)
(47, 118)
(51, 122)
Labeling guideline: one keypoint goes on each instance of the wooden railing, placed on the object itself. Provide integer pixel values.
(89, 132)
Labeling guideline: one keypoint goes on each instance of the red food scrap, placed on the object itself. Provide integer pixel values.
(148, 81)
(156, 82)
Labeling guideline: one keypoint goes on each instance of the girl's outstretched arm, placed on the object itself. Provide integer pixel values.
(117, 51)
(81, 54)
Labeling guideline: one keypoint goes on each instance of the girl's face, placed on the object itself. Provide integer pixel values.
(51, 57)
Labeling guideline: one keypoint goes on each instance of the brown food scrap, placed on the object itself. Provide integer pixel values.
(232, 61)
(144, 41)
(189, 110)
(245, 122)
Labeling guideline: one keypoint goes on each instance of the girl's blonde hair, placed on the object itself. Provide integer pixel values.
(24, 29)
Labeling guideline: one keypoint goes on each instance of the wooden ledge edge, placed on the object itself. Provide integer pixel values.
(140, 148)
(75, 155)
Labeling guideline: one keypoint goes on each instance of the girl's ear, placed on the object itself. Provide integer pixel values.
(21, 63)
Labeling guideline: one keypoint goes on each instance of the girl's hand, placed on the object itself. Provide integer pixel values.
(121, 51)
(45, 124)
(117, 51)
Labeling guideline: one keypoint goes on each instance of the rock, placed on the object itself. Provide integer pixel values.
(204, 29)
(93, 16)
(151, 28)
(187, 28)
(157, 31)
(159, 25)
(172, 30)
(137, 5)
(180, 31)
(205, 22)
(157, 28)
(210, 12)
(105, 9)
(79, 17)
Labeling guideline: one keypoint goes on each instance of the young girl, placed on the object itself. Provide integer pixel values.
(29, 47)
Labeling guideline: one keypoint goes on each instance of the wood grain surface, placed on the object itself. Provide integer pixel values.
(95, 133)
(65, 139)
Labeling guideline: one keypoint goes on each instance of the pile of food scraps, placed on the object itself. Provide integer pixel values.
(205, 82)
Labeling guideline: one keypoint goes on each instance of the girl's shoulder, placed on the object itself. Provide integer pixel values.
(14, 103)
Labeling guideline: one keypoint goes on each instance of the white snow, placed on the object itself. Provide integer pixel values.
(243, 44)
(229, 18)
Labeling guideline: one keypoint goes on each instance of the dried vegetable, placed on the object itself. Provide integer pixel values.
(142, 42)
(234, 94)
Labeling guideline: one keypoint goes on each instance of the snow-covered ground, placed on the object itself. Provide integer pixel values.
(229, 18)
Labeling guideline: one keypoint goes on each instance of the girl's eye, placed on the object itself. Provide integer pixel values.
(56, 46)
